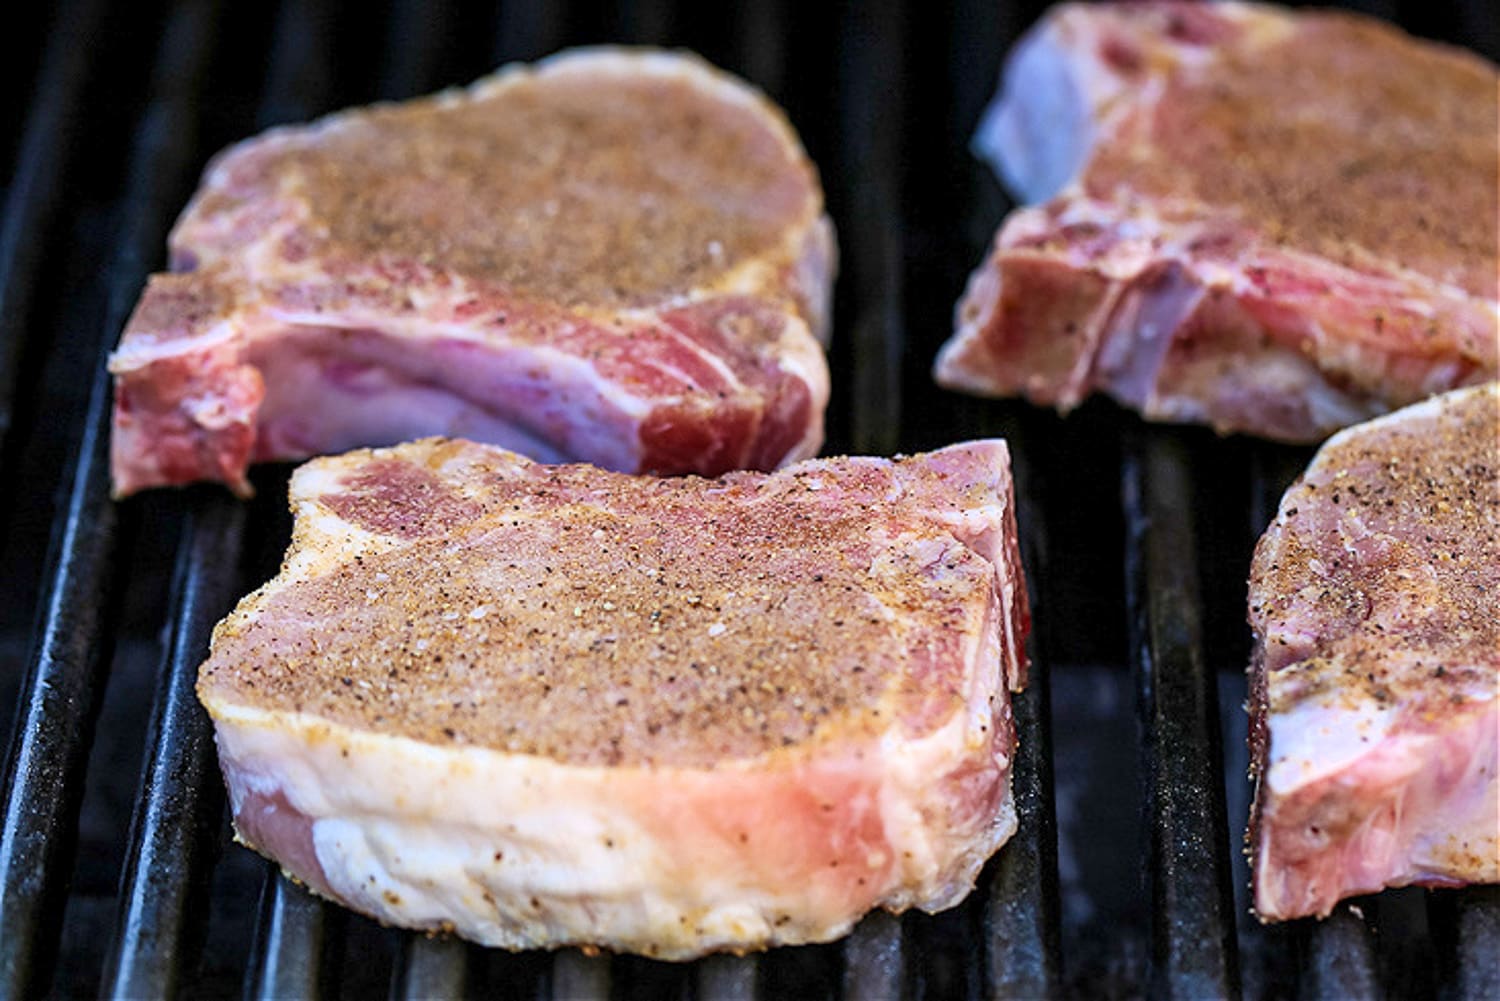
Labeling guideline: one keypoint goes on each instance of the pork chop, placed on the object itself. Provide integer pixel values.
(1376, 674)
(1268, 222)
(614, 256)
(549, 705)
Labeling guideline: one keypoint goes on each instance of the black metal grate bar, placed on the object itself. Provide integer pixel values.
(1339, 958)
(1193, 947)
(288, 955)
(58, 702)
(180, 797)
(875, 959)
(1020, 907)
(431, 969)
(1020, 919)
(759, 30)
(577, 977)
(1378, 8)
(870, 82)
(299, 79)
(530, 29)
(1478, 943)
(42, 163)
(414, 47)
(645, 22)
(64, 684)
(1273, 471)
(728, 978)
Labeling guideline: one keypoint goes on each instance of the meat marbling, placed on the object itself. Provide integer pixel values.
(544, 705)
(1376, 673)
(1273, 223)
(614, 256)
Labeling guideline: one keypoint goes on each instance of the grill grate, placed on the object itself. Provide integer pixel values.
(105, 626)
(1192, 944)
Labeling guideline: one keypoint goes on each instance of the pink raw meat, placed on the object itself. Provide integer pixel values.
(1268, 222)
(550, 705)
(1376, 674)
(615, 256)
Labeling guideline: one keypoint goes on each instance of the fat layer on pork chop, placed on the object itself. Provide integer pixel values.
(550, 705)
(1268, 222)
(613, 256)
(1376, 674)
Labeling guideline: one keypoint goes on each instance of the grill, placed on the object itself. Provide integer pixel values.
(1126, 877)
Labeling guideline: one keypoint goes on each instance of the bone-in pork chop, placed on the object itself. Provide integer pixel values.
(545, 705)
(615, 256)
(1375, 601)
(1272, 223)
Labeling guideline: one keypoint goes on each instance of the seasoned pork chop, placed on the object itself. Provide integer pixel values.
(614, 256)
(545, 705)
(1269, 222)
(1376, 675)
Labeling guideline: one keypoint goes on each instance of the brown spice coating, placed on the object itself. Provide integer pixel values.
(606, 619)
(179, 306)
(605, 186)
(1380, 579)
(1317, 142)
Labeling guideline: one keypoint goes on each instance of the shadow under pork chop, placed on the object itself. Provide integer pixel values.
(550, 705)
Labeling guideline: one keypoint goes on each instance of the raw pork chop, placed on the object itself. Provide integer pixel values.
(614, 256)
(1268, 222)
(1376, 678)
(544, 705)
